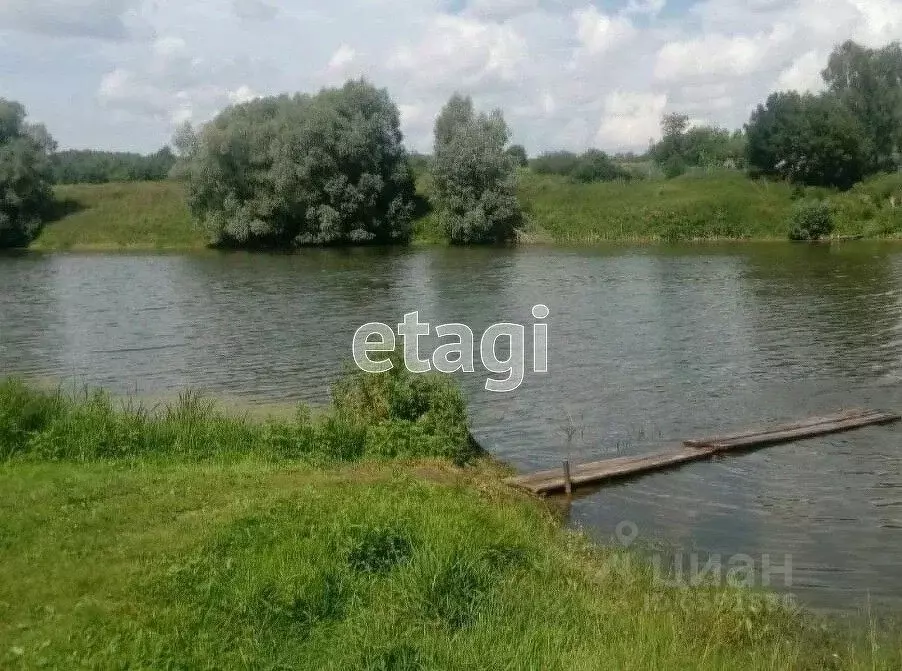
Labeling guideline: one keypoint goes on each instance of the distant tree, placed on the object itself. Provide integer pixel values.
(673, 130)
(869, 83)
(518, 153)
(674, 166)
(295, 170)
(682, 146)
(475, 179)
(555, 163)
(591, 166)
(807, 139)
(419, 163)
(76, 166)
(25, 176)
(596, 166)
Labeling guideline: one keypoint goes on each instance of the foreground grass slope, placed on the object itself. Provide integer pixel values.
(695, 206)
(181, 538)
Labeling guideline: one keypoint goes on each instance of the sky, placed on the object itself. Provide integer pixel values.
(569, 74)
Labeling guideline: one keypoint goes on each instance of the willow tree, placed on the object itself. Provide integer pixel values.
(474, 177)
(285, 171)
(25, 176)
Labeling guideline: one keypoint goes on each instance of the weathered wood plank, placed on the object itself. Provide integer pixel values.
(787, 435)
(813, 421)
(546, 482)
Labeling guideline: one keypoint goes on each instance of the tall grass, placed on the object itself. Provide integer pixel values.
(372, 417)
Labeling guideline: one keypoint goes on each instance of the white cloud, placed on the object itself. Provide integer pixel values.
(342, 57)
(717, 55)
(648, 7)
(101, 19)
(243, 94)
(804, 74)
(600, 32)
(568, 73)
(254, 10)
(630, 119)
(462, 52)
(500, 9)
(174, 85)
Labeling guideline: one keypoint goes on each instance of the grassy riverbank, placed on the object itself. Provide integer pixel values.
(184, 538)
(721, 205)
(120, 216)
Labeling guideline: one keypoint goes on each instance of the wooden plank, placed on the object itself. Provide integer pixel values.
(788, 435)
(546, 482)
(827, 419)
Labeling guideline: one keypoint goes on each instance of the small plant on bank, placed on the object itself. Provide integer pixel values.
(811, 221)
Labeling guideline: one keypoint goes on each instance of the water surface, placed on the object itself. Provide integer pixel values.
(647, 346)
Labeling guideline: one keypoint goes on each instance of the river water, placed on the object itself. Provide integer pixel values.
(646, 346)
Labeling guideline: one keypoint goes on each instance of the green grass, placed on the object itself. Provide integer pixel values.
(720, 205)
(178, 538)
(724, 205)
(129, 216)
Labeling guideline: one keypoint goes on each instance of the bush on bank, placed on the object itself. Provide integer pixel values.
(811, 221)
(395, 415)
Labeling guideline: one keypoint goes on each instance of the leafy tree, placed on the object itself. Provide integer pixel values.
(295, 170)
(518, 153)
(475, 179)
(25, 176)
(869, 83)
(807, 139)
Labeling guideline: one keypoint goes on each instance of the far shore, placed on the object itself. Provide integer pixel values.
(715, 207)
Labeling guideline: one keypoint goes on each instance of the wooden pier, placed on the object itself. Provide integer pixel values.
(563, 479)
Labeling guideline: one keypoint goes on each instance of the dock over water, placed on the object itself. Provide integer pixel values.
(562, 479)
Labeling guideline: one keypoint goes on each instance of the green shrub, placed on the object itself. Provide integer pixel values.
(409, 415)
(811, 221)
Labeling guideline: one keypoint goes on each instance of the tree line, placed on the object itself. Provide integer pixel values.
(88, 166)
(331, 168)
